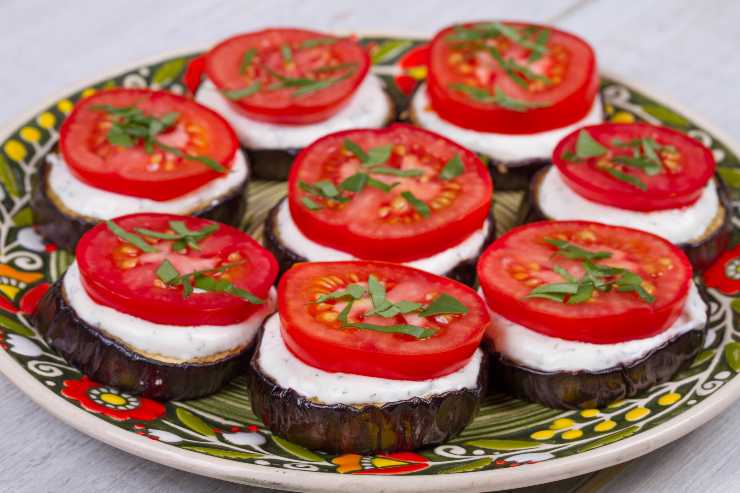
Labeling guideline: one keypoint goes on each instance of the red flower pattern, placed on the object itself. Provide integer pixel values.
(724, 274)
(117, 405)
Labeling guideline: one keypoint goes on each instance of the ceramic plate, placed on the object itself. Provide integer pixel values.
(511, 443)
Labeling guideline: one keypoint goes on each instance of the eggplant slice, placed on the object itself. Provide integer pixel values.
(61, 227)
(701, 252)
(107, 361)
(463, 272)
(362, 429)
(585, 390)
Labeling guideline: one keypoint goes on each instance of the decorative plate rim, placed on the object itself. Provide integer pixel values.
(244, 473)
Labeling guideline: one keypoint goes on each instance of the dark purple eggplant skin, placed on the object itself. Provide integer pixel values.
(109, 362)
(586, 390)
(463, 272)
(701, 253)
(339, 428)
(65, 231)
(272, 164)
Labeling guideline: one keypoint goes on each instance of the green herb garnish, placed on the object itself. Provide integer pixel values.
(312, 43)
(587, 146)
(354, 291)
(499, 97)
(420, 206)
(574, 252)
(131, 238)
(167, 273)
(247, 60)
(407, 329)
(632, 180)
(181, 234)
(444, 304)
(311, 204)
(452, 169)
(131, 125)
(286, 53)
(354, 183)
(236, 94)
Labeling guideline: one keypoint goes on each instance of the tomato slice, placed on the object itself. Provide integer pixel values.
(511, 77)
(315, 333)
(635, 166)
(389, 224)
(289, 76)
(135, 170)
(522, 260)
(118, 274)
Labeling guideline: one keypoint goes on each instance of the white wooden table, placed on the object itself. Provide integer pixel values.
(688, 51)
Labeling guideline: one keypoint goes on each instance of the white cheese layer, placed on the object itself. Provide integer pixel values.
(279, 363)
(292, 237)
(94, 203)
(558, 201)
(537, 351)
(370, 107)
(177, 342)
(503, 147)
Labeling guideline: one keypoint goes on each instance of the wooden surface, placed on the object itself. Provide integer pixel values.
(685, 50)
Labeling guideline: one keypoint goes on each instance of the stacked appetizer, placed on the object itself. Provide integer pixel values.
(162, 305)
(400, 194)
(367, 357)
(583, 314)
(282, 89)
(640, 176)
(125, 151)
(509, 91)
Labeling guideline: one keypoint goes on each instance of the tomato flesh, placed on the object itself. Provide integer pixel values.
(522, 260)
(159, 174)
(302, 56)
(685, 167)
(119, 275)
(383, 225)
(552, 91)
(315, 334)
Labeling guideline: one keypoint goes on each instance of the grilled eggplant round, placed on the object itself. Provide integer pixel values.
(584, 389)
(64, 228)
(702, 252)
(362, 429)
(108, 361)
(271, 164)
(463, 272)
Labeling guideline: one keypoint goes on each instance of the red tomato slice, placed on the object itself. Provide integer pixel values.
(298, 76)
(315, 334)
(385, 225)
(157, 175)
(676, 179)
(119, 275)
(552, 91)
(522, 260)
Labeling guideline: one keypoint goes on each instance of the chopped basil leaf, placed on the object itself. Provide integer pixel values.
(312, 43)
(571, 251)
(540, 44)
(119, 137)
(564, 274)
(420, 206)
(247, 60)
(587, 146)
(380, 185)
(452, 169)
(213, 285)
(166, 272)
(355, 149)
(583, 294)
(387, 170)
(311, 204)
(444, 304)
(323, 188)
(131, 238)
(244, 92)
(286, 53)
(354, 183)
(354, 291)
(377, 293)
(569, 155)
(334, 68)
(499, 97)
(407, 329)
(345, 312)
(321, 84)
(632, 180)
(651, 168)
(202, 159)
(378, 155)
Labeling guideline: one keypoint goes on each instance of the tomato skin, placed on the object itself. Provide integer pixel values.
(567, 103)
(612, 317)
(222, 68)
(376, 354)
(665, 191)
(366, 236)
(133, 291)
(125, 171)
